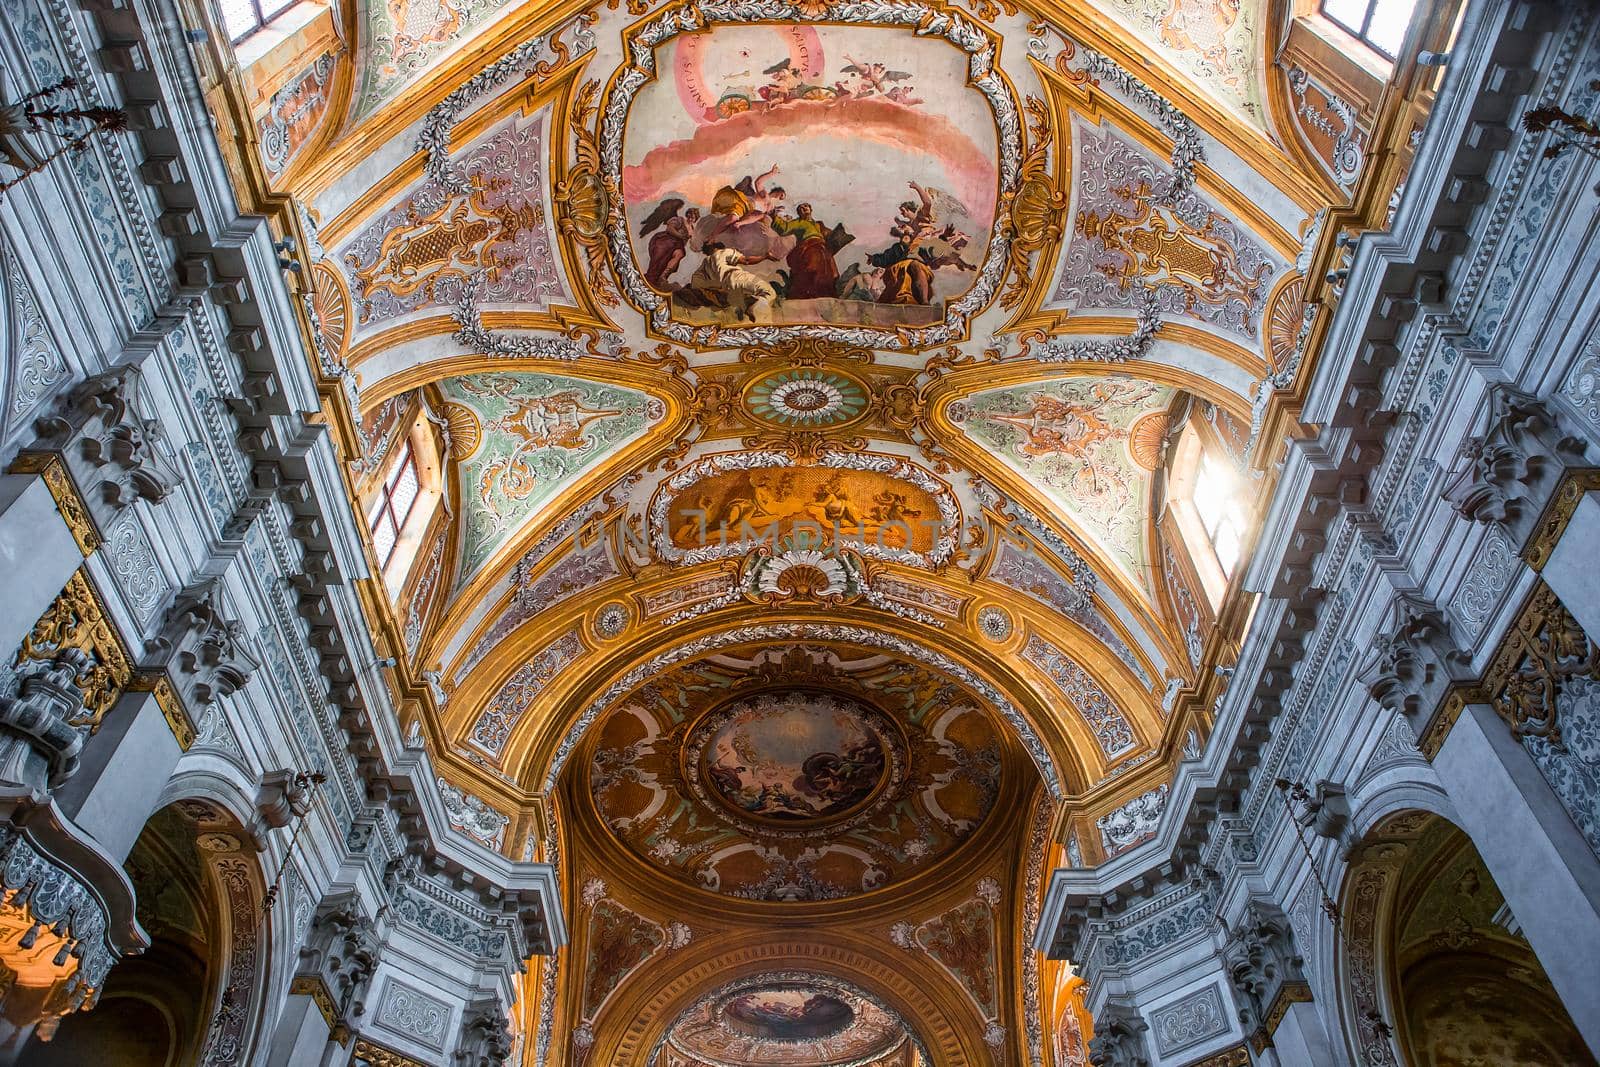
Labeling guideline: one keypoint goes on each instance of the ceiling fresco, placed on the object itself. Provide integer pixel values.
(1218, 43)
(805, 378)
(518, 439)
(795, 773)
(754, 143)
(790, 1018)
(1089, 444)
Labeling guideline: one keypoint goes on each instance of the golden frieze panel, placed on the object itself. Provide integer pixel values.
(882, 507)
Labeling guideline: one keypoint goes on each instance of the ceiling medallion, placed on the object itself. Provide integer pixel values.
(790, 761)
(611, 620)
(994, 623)
(808, 399)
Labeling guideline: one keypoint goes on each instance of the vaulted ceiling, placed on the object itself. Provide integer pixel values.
(803, 376)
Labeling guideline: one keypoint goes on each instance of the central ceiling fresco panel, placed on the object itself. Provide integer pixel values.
(841, 180)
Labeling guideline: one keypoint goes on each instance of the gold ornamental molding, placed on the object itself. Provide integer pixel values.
(1570, 491)
(1544, 647)
(314, 987)
(377, 1056)
(78, 619)
(171, 706)
(1289, 994)
(74, 511)
(1237, 1056)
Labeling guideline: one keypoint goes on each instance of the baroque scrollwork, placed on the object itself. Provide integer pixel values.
(1037, 211)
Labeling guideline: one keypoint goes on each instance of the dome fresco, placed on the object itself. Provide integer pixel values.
(762, 788)
(769, 1020)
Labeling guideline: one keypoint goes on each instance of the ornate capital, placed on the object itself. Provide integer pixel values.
(208, 655)
(1508, 473)
(1118, 1037)
(341, 951)
(40, 726)
(1261, 960)
(1409, 668)
(114, 454)
(485, 1034)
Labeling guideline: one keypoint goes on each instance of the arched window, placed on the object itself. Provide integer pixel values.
(1379, 24)
(244, 18)
(1209, 504)
(401, 504)
(394, 504)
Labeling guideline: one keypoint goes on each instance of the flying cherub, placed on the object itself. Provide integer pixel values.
(875, 77)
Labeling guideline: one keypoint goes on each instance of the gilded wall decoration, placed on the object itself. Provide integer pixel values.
(1285, 317)
(422, 594)
(742, 219)
(619, 940)
(537, 433)
(1132, 823)
(1099, 711)
(1020, 568)
(1185, 608)
(77, 619)
(1330, 126)
(295, 112)
(425, 251)
(964, 941)
(381, 429)
(474, 817)
(793, 773)
(1127, 247)
(1072, 440)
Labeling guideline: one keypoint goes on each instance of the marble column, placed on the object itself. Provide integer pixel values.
(302, 1036)
(37, 554)
(1573, 570)
(121, 774)
(1538, 858)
